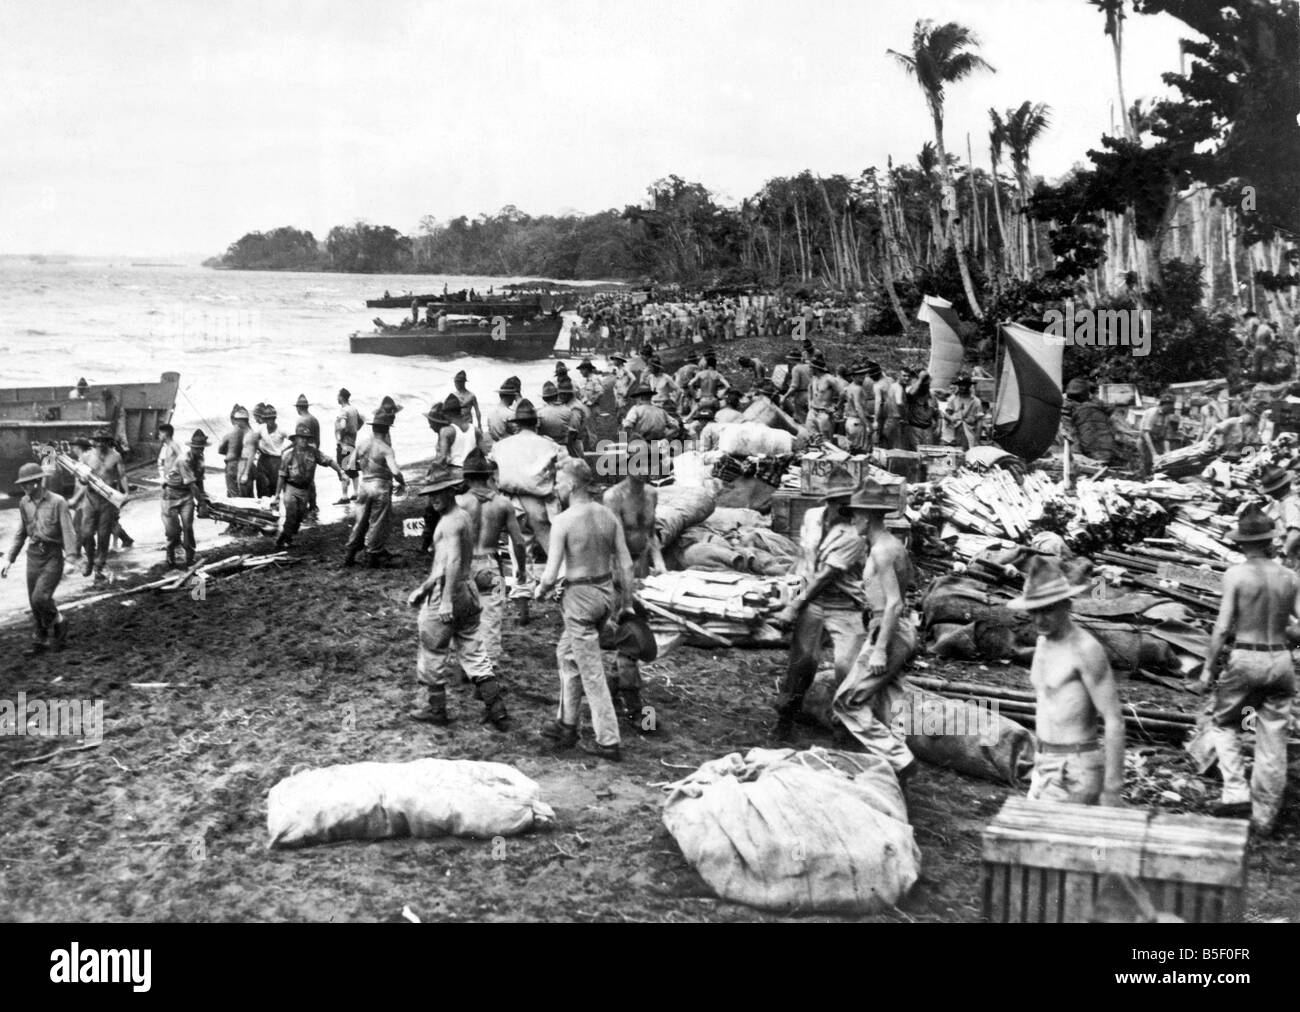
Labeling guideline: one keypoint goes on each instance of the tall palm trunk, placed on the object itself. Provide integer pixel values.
(959, 245)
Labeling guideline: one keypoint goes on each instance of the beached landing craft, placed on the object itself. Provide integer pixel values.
(511, 328)
(53, 415)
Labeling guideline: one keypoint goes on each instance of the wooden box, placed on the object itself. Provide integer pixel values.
(904, 463)
(940, 461)
(818, 474)
(788, 509)
(1044, 862)
(1122, 394)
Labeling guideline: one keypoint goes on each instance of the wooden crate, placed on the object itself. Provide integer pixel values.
(1121, 394)
(1044, 862)
(940, 461)
(904, 463)
(819, 474)
(788, 509)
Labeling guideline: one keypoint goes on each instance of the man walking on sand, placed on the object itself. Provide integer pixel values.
(378, 470)
(451, 612)
(491, 514)
(347, 425)
(634, 503)
(45, 526)
(1074, 685)
(298, 480)
(1261, 608)
(588, 540)
(468, 401)
(99, 516)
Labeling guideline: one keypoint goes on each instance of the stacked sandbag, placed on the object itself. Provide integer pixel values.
(680, 509)
(425, 798)
(797, 832)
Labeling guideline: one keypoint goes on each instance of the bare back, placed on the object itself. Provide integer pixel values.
(1262, 595)
(588, 538)
(1062, 670)
(887, 554)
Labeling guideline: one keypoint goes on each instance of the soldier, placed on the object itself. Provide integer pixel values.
(823, 399)
(45, 526)
(450, 612)
(181, 488)
(634, 503)
(99, 516)
(1158, 431)
(1093, 428)
(297, 479)
(664, 392)
(500, 419)
(378, 469)
(708, 382)
(593, 386)
(555, 421)
(645, 420)
(526, 465)
(964, 413)
(623, 380)
(1283, 507)
(262, 453)
(579, 413)
(1072, 678)
(1260, 607)
(305, 416)
(490, 514)
(347, 425)
(732, 411)
(861, 700)
(232, 448)
(857, 413)
(458, 437)
(588, 541)
(438, 423)
(468, 402)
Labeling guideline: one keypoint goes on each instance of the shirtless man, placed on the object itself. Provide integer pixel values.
(634, 503)
(823, 399)
(450, 611)
(858, 413)
(1074, 685)
(588, 540)
(862, 701)
(490, 513)
(459, 436)
(468, 400)
(377, 467)
(796, 398)
(1261, 605)
(708, 382)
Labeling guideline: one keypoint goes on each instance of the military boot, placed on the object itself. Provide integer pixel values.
(786, 707)
(560, 735)
(435, 710)
(171, 556)
(488, 691)
(611, 752)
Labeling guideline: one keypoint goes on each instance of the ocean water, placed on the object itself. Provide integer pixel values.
(234, 336)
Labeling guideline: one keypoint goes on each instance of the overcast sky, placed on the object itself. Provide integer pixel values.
(175, 127)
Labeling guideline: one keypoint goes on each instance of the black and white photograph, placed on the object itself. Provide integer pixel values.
(702, 461)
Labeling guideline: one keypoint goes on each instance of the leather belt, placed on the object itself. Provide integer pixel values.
(585, 581)
(1047, 748)
(1271, 648)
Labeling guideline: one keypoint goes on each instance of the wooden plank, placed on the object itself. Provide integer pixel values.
(1196, 849)
(1016, 894)
(1078, 897)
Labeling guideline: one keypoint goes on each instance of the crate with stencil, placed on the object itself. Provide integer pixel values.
(1045, 863)
(820, 473)
(940, 461)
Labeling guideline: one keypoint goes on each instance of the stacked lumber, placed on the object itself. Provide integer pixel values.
(720, 607)
(243, 516)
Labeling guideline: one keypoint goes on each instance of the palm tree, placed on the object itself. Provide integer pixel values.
(941, 56)
(997, 141)
(1114, 12)
(1022, 127)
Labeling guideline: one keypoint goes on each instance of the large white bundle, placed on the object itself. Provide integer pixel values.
(424, 798)
(797, 831)
(682, 509)
(526, 463)
(749, 439)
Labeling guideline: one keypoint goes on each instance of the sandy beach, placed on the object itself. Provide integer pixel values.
(312, 664)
